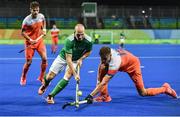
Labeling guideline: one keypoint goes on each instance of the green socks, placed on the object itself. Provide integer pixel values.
(60, 86)
(46, 81)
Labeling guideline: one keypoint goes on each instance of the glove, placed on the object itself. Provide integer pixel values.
(89, 99)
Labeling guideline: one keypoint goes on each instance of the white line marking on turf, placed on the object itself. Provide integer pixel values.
(142, 66)
(91, 71)
(52, 58)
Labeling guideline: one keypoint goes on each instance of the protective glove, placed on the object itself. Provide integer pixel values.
(89, 99)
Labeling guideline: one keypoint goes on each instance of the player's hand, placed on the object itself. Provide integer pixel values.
(32, 41)
(44, 32)
(89, 99)
(79, 62)
(98, 82)
(77, 77)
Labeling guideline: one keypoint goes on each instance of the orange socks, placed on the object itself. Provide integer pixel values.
(43, 70)
(25, 70)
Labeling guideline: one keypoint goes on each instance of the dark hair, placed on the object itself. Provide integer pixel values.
(34, 4)
(104, 51)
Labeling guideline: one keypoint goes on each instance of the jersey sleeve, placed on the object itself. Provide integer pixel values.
(88, 43)
(68, 46)
(43, 18)
(24, 25)
(44, 21)
(89, 46)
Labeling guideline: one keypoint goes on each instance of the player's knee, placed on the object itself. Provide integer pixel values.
(67, 75)
(50, 75)
(44, 61)
(142, 93)
(29, 61)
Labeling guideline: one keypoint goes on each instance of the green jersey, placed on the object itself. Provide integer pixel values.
(76, 48)
(121, 34)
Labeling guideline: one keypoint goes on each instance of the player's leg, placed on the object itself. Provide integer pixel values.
(53, 46)
(104, 95)
(56, 45)
(41, 49)
(122, 41)
(46, 81)
(57, 66)
(60, 85)
(29, 53)
(136, 76)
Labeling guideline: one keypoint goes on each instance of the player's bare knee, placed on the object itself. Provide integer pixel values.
(67, 75)
(142, 93)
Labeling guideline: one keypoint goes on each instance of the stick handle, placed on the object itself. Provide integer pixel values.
(39, 37)
(77, 88)
(31, 44)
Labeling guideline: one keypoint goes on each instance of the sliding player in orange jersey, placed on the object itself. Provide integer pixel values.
(33, 26)
(113, 61)
(54, 35)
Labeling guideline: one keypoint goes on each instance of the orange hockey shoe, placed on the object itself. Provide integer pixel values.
(169, 91)
(103, 98)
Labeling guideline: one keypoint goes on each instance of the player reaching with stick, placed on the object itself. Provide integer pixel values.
(113, 61)
(34, 26)
(77, 47)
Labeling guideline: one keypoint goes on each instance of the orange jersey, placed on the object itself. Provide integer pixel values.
(54, 32)
(33, 26)
(122, 60)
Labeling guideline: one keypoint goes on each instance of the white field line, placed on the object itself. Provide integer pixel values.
(52, 58)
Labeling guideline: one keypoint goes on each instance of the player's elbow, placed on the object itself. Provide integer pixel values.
(22, 33)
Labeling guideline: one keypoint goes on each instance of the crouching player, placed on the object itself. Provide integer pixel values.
(113, 61)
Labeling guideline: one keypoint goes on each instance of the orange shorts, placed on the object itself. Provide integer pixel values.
(55, 41)
(131, 65)
(39, 47)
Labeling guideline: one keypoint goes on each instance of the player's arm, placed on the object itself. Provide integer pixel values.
(23, 30)
(105, 81)
(44, 26)
(23, 33)
(68, 54)
(86, 54)
(102, 71)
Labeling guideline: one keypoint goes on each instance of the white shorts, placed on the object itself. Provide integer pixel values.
(122, 40)
(59, 64)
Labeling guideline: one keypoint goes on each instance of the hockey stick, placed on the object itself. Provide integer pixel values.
(77, 88)
(77, 102)
(73, 103)
(31, 44)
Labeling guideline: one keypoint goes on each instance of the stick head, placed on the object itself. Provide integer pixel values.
(66, 104)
